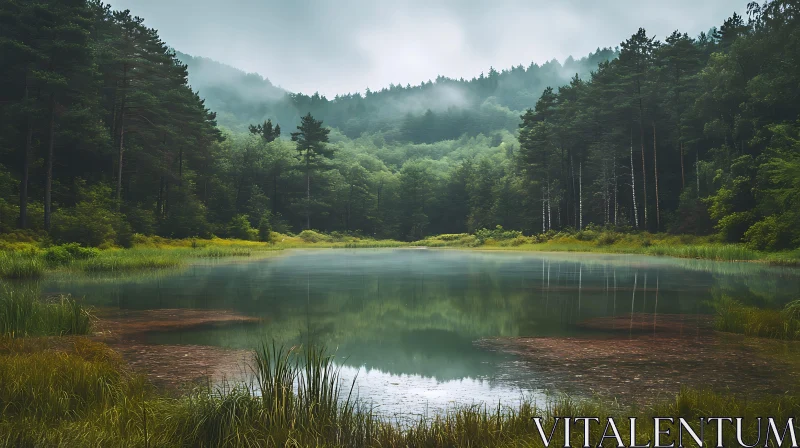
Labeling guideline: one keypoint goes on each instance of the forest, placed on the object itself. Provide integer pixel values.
(107, 132)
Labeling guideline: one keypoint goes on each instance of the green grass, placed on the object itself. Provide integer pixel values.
(130, 260)
(717, 252)
(222, 252)
(733, 317)
(20, 265)
(83, 395)
(23, 313)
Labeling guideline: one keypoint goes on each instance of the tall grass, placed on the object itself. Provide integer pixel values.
(222, 252)
(733, 317)
(130, 260)
(20, 265)
(22, 313)
(722, 252)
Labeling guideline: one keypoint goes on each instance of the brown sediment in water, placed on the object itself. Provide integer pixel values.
(635, 364)
(172, 366)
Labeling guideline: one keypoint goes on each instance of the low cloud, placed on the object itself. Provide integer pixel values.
(349, 45)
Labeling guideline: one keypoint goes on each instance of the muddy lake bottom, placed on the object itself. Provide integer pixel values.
(637, 359)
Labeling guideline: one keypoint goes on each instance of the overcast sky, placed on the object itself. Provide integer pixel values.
(347, 45)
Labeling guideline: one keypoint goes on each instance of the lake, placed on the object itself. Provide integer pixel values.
(423, 330)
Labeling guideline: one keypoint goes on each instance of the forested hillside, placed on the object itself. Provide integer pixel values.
(104, 132)
(434, 110)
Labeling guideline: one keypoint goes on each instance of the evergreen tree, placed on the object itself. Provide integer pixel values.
(311, 138)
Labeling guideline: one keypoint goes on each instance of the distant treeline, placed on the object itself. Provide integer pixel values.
(102, 136)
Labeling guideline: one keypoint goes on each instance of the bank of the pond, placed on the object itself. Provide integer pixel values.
(32, 260)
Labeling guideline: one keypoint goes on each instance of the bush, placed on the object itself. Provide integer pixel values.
(66, 253)
(239, 228)
(264, 229)
(768, 234)
(310, 236)
(496, 234)
(186, 218)
(91, 222)
(141, 220)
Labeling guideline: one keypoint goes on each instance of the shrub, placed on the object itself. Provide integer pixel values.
(141, 220)
(186, 218)
(496, 234)
(768, 234)
(310, 236)
(66, 253)
(264, 229)
(239, 228)
(91, 222)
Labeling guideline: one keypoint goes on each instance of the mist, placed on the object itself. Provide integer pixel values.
(349, 46)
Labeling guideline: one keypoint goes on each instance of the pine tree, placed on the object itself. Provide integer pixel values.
(311, 138)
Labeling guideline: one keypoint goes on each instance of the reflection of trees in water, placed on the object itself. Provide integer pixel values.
(391, 308)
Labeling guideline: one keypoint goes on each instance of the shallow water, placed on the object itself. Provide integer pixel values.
(407, 323)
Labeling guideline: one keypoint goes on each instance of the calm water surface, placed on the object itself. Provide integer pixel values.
(404, 321)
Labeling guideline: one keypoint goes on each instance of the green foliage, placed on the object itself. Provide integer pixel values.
(67, 253)
(91, 222)
(186, 219)
(264, 229)
(496, 234)
(239, 228)
(310, 236)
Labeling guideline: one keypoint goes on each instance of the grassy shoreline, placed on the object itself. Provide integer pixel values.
(32, 260)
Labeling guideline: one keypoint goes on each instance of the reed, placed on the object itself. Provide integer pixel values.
(22, 313)
(222, 252)
(733, 317)
(130, 260)
(20, 265)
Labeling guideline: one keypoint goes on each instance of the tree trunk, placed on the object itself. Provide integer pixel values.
(274, 194)
(655, 174)
(308, 191)
(580, 195)
(120, 153)
(644, 171)
(544, 220)
(683, 176)
(180, 165)
(616, 202)
(160, 202)
(549, 212)
(48, 184)
(633, 190)
(574, 205)
(23, 186)
(121, 149)
(166, 198)
(697, 170)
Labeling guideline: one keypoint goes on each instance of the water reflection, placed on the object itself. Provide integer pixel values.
(407, 320)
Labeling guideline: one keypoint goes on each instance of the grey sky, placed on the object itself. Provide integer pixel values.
(347, 45)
